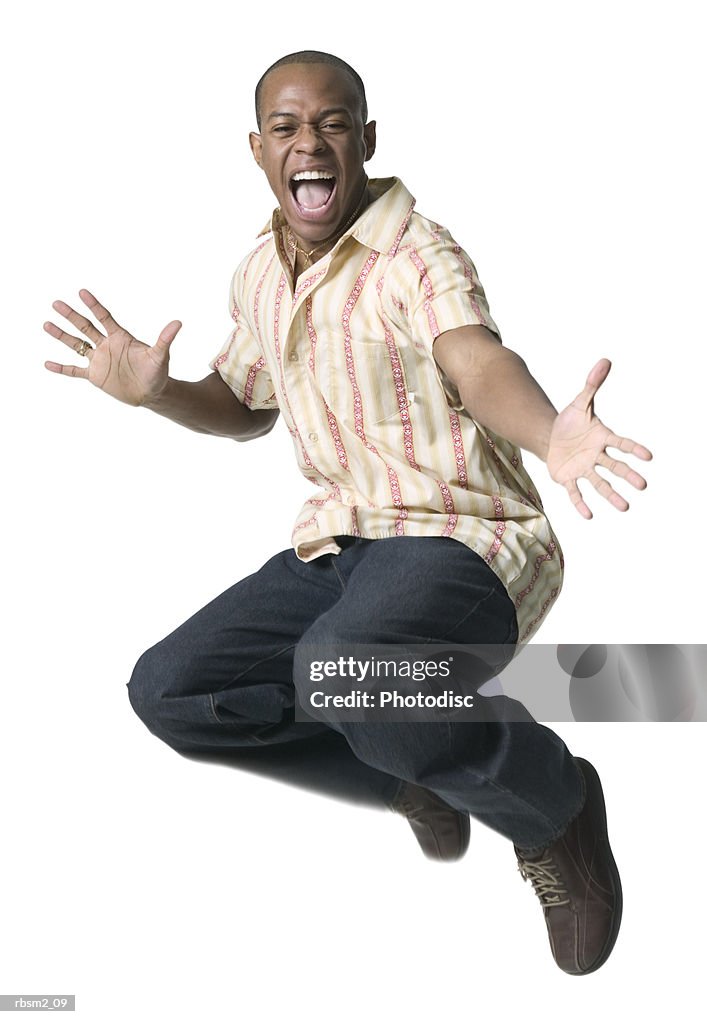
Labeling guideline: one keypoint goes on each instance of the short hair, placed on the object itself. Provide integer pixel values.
(314, 57)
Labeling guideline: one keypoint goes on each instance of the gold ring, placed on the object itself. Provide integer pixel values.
(83, 348)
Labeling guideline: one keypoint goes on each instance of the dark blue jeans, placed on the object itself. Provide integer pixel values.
(223, 686)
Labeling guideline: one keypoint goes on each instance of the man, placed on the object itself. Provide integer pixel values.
(366, 327)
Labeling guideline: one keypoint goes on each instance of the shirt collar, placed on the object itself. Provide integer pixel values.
(381, 225)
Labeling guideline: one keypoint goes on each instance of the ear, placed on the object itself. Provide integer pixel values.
(369, 137)
(256, 147)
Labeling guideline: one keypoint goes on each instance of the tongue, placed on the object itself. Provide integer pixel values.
(313, 194)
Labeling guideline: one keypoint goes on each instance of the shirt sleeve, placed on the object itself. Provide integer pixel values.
(435, 288)
(444, 290)
(240, 361)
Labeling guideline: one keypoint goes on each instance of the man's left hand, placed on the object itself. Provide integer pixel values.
(578, 444)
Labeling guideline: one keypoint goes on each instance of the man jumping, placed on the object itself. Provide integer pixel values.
(365, 326)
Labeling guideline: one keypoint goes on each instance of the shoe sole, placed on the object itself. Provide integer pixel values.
(593, 782)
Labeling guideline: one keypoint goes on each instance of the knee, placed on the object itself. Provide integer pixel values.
(149, 686)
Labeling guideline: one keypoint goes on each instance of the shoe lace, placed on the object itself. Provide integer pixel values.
(544, 877)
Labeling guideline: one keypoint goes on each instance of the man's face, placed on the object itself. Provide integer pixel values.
(311, 122)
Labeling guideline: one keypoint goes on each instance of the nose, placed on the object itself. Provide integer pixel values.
(309, 140)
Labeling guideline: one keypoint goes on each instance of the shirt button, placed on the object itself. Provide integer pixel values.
(313, 436)
(293, 357)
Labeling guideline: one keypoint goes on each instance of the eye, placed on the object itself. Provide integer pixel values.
(282, 129)
(335, 126)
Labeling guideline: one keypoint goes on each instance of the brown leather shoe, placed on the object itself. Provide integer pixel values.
(442, 832)
(578, 884)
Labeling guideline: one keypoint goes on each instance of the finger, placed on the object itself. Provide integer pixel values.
(595, 378)
(68, 371)
(167, 335)
(629, 447)
(622, 470)
(577, 499)
(604, 488)
(100, 312)
(69, 339)
(78, 320)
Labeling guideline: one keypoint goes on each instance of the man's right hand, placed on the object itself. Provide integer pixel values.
(119, 364)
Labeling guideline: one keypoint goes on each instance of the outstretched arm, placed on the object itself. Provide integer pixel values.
(498, 390)
(137, 374)
(210, 407)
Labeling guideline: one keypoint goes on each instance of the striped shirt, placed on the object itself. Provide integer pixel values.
(345, 354)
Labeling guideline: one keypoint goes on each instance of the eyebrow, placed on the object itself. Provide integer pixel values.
(323, 113)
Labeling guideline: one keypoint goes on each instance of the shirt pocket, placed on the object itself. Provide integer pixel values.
(370, 384)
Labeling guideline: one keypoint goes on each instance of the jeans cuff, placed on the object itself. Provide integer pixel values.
(533, 851)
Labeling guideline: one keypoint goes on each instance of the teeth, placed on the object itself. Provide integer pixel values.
(311, 175)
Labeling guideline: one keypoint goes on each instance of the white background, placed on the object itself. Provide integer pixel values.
(561, 143)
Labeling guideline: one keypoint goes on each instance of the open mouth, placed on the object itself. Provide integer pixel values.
(312, 192)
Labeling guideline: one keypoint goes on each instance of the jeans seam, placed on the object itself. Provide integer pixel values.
(490, 593)
(557, 832)
(233, 679)
(242, 733)
(337, 573)
(213, 709)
